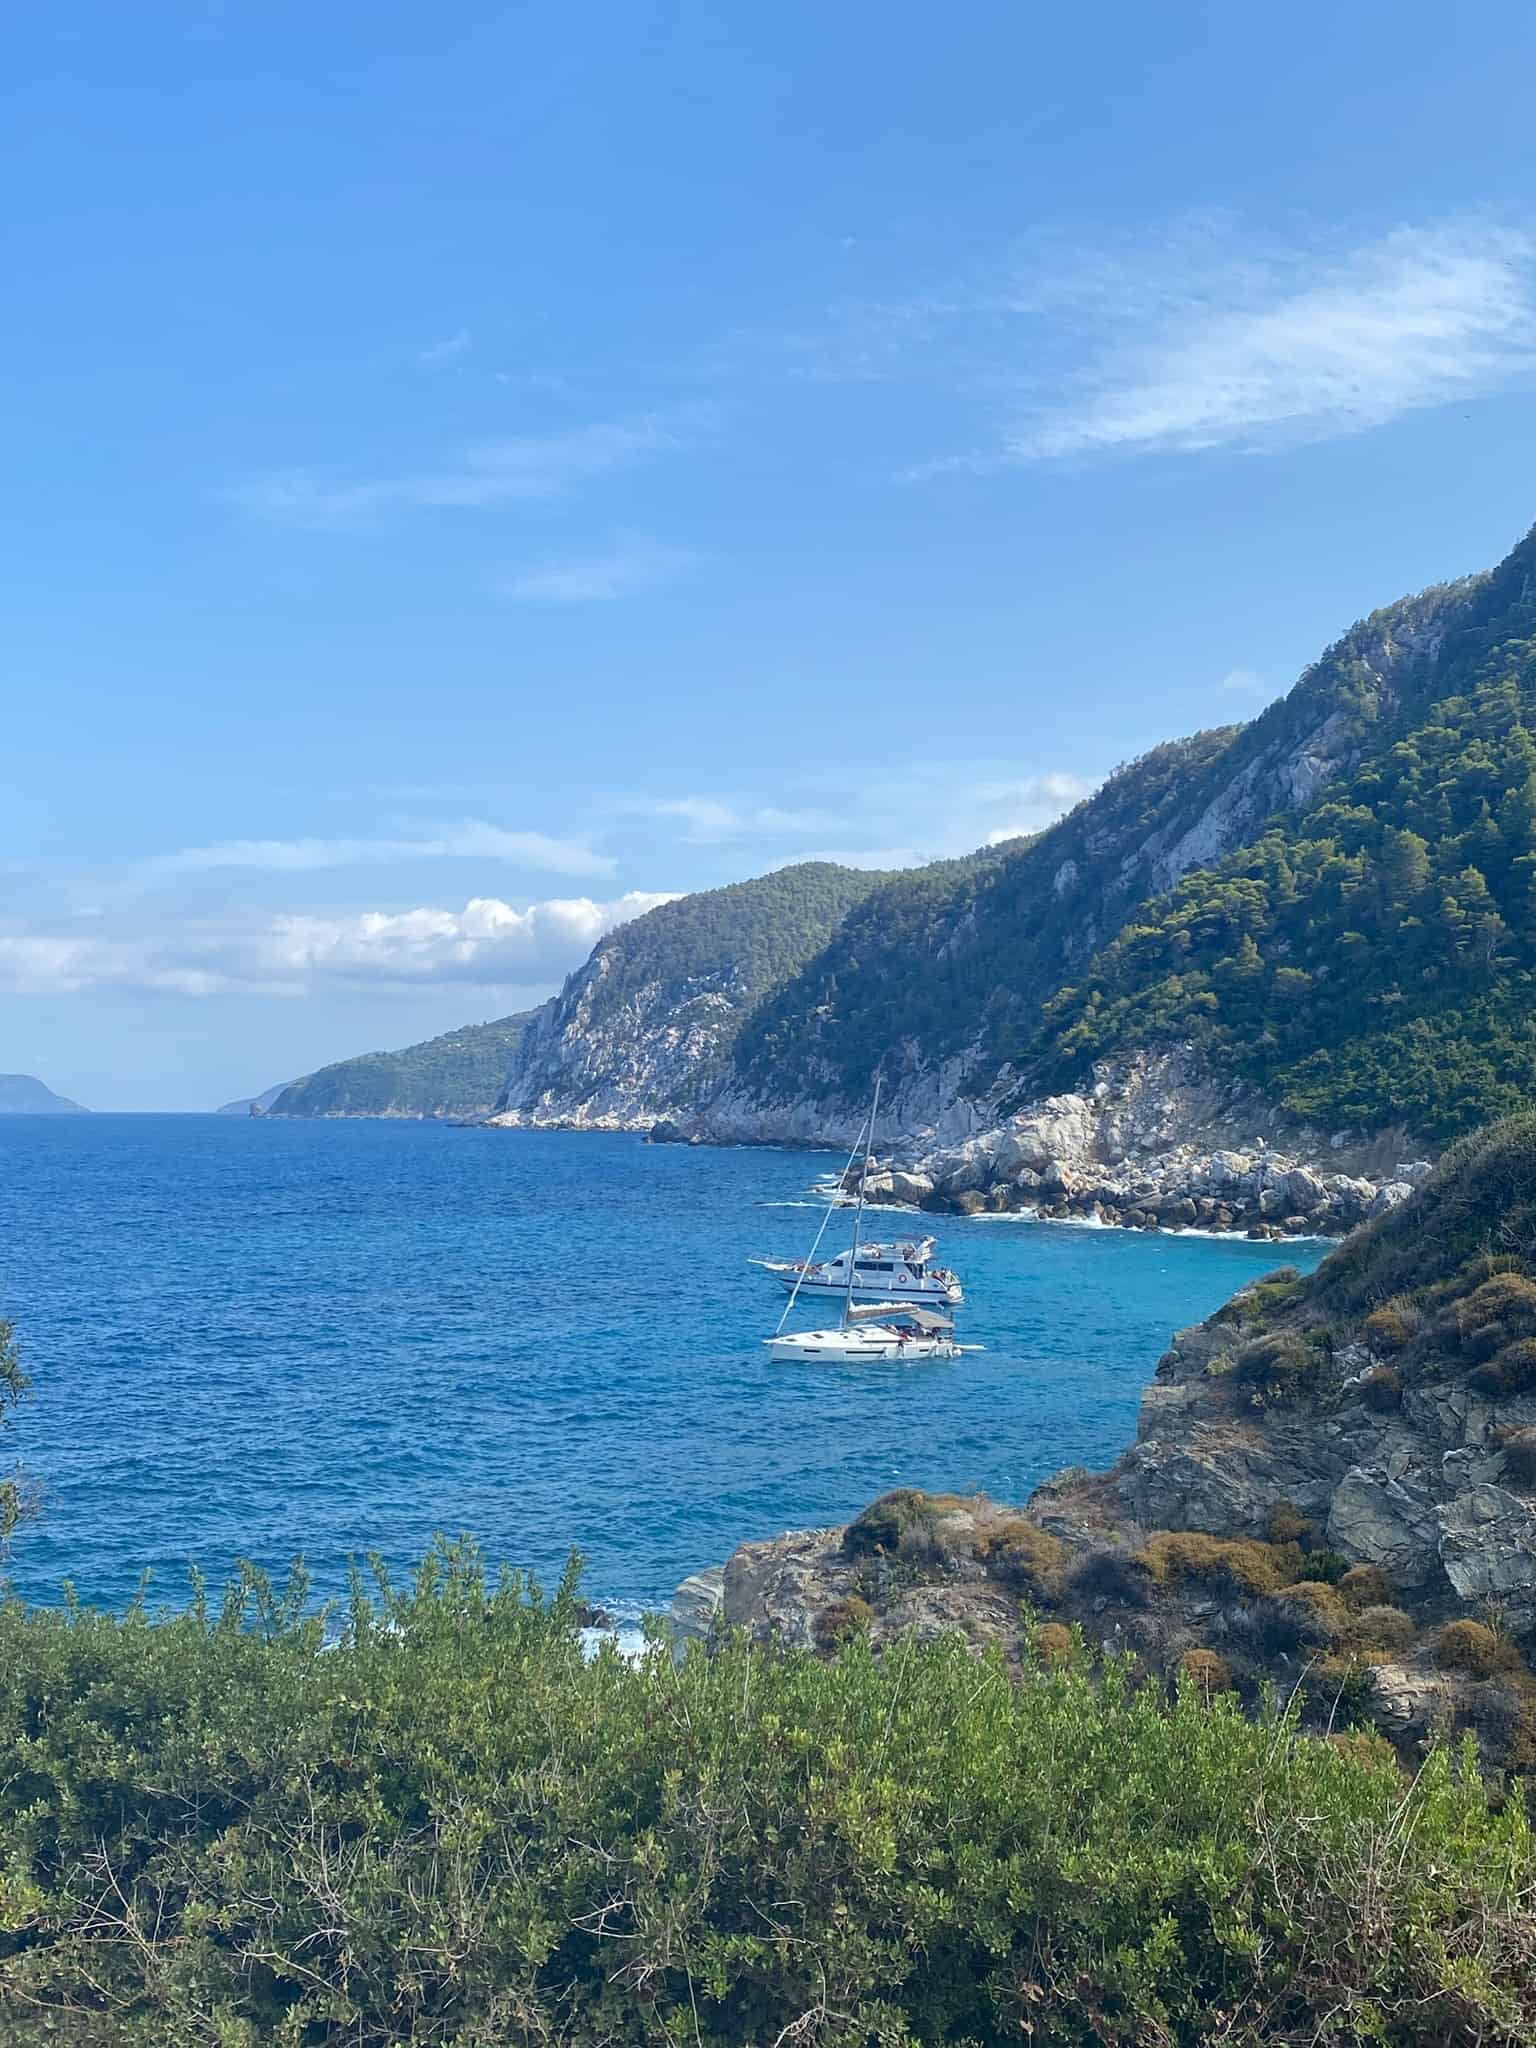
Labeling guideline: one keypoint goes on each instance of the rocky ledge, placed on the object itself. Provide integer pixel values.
(1156, 1143)
(1333, 1489)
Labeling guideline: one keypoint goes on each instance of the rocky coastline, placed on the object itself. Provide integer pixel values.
(1154, 1142)
(1327, 1493)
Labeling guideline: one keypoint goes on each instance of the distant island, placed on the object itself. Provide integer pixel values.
(25, 1095)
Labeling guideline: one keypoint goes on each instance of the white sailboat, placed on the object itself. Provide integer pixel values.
(903, 1331)
(890, 1330)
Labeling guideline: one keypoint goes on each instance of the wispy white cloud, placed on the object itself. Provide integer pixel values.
(529, 466)
(471, 839)
(488, 942)
(711, 820)
(630, 566)
(1217, 340)
(442, 353)
(1205, 334)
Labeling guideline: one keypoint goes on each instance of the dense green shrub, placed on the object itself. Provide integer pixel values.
(903, 1520)
(1278, 1366)
(446, 1826)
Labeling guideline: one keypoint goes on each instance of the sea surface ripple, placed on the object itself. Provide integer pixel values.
(262, 1339)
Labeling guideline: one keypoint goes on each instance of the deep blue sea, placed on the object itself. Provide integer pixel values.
(259, 1339)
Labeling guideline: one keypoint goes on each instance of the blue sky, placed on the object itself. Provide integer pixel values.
(474, 470)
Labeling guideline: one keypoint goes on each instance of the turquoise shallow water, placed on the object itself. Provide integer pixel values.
(256, 1338)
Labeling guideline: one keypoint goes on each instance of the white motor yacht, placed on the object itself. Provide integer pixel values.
(879, 1272)
(899, 1332)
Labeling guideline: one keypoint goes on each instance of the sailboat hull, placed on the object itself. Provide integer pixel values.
(852, 1347)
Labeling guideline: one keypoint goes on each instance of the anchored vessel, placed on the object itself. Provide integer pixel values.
(903, 1331)
(878, 1272)
(898, 1327)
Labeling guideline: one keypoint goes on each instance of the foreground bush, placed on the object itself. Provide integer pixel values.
(448, 1827)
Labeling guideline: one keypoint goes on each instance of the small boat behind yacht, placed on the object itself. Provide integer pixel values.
(873, 1272)
(898, 1332)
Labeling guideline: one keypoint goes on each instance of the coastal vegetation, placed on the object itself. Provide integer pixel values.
(456, 1075)
(433, 1818)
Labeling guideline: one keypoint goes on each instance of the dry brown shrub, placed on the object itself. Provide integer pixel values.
(1507, 1298)
(1287, 1524)
(1368, 1746)
(1241, 1563)
(1518, 1443)
(1321, 1615)
(1393, 1325)
(1366, 1585)
(1383, 1628)
(1053, 1643)
(844, 1618)
(1023, 1555)
(1209, 1671)
(1473, 1647)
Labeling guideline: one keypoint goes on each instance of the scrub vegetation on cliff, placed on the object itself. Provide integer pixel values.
(441, 1822)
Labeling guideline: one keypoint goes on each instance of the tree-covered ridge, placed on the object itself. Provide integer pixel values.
(746, 937)
(957, 954)
(961, 957)
(457, 1074)
(1374, 960)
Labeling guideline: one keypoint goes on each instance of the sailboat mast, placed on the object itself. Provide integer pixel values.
(858, 1214)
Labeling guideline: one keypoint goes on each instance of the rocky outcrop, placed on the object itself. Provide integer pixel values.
(1417, 1489)
(1159, 1142)
(1332, 1488)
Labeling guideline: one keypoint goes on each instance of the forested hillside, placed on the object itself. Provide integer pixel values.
(457, 1075)
(1375, 957)
(961, 959)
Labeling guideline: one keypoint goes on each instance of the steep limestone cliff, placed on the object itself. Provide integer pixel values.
(645, 1029)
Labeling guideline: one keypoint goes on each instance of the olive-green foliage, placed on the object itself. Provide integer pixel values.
(459, 1074)
(16, 1500)
(898, 1521)
(446, 1826)
(1278, 1366)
